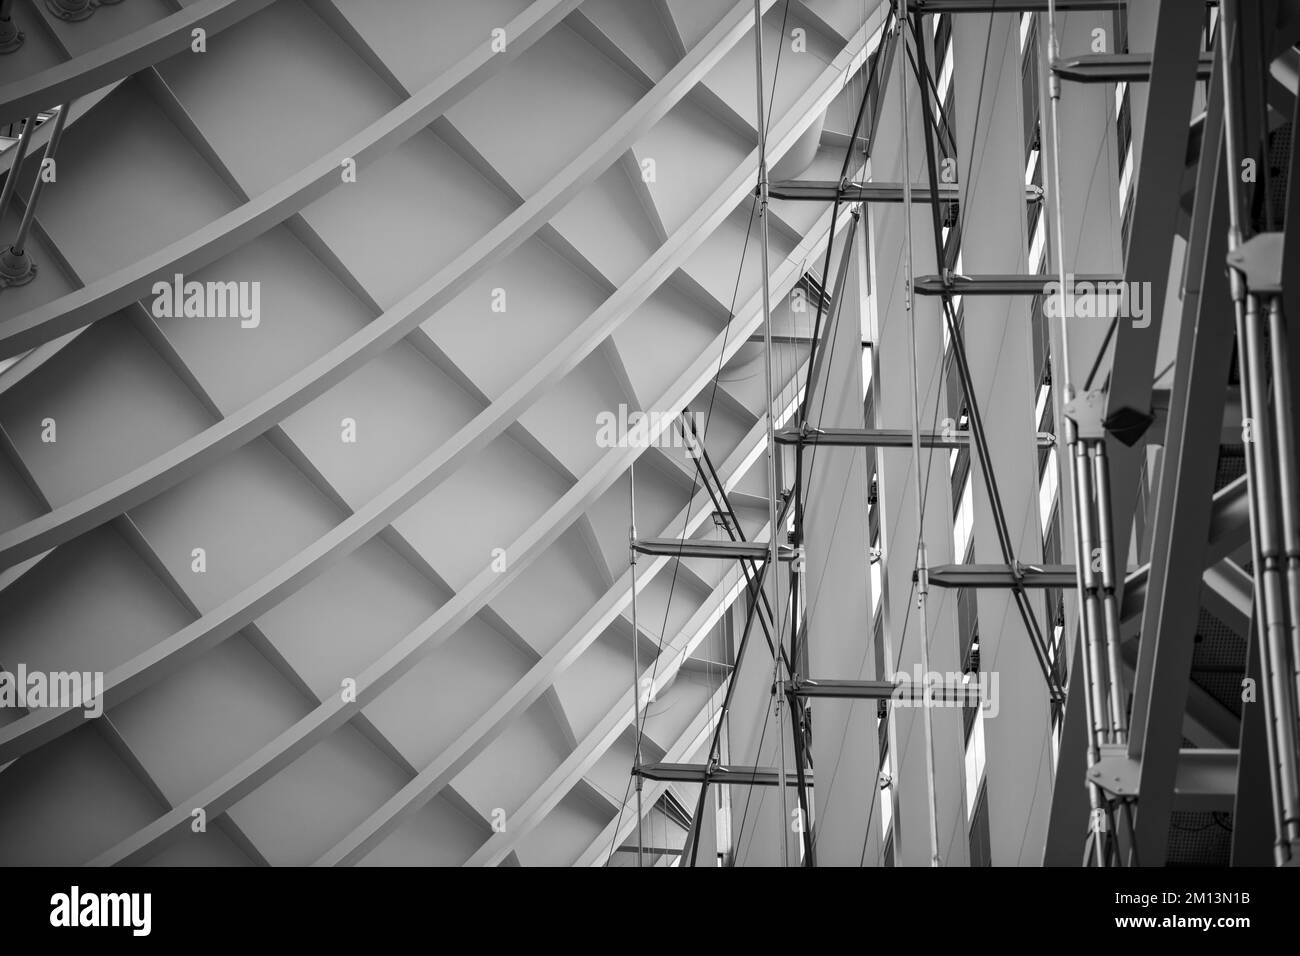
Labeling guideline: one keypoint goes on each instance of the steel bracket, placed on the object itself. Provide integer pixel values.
(1086, 410)
(1115, 771)
(1259, 260)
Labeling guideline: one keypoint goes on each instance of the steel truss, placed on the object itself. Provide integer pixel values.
(1136, 762)
(758, 559)
(1124, 769)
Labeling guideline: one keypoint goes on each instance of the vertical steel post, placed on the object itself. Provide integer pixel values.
(636, 665)
(1074, 468)
(1270, 604)
(770, 400)
(60, 118)
(1110, 562)
(20, 153)
(922, 565)
(1086, 547)
(1289, 487)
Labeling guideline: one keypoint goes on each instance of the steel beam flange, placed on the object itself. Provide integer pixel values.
(1259, 260)
(853, 689)
(1117, 67)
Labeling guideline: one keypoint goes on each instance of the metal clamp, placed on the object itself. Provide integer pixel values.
(1116, 772)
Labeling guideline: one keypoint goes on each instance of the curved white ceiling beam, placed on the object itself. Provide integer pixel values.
(35, 729)
(591, 748)
(695, 736)
(121, 58)
(228, 619)
(255, 418)
(542, 676)
(41, 137)
(246, 606)
(232, 432)
(236, 228)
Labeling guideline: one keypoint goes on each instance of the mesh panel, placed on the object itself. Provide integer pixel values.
(1232, 465)
(1217, 647)
(1279, 159)
(1199, 839)
(1219, 661)
(1223, 687)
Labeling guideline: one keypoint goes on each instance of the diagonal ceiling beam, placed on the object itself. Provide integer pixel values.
(1156, 209)
(119, 59)
(226, 620)
(1131, 380)
(236, 228)
(546, 529)
(611, 726)
(245, 424)
(1183, 506)
(380, 511)
(695, 736)
(354, 847)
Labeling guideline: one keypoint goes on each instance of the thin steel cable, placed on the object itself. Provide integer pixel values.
(1001, 526)
(690, 502)
(799, 484)
(909, 280)
(876, 63)
(1067, 394)
(731, 313)
(736, 838)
